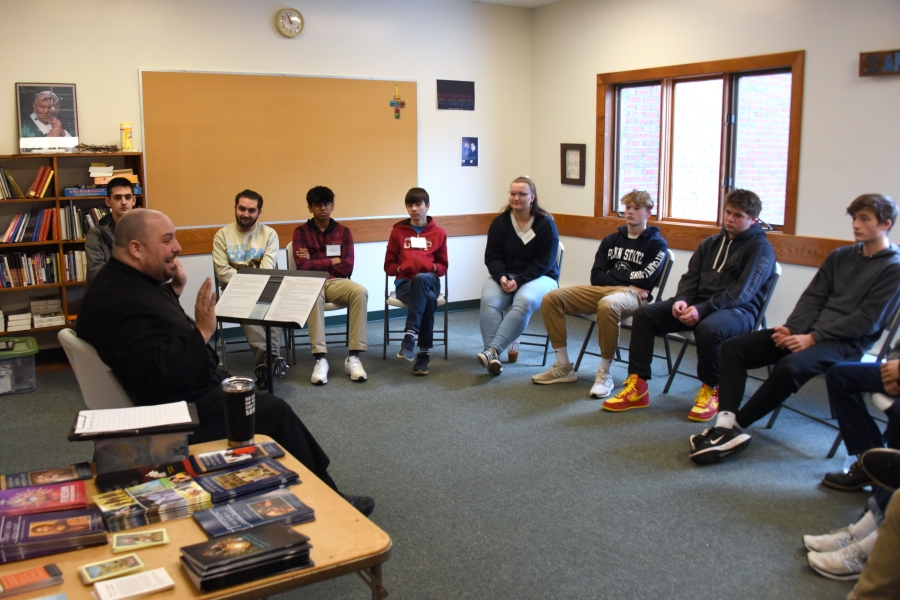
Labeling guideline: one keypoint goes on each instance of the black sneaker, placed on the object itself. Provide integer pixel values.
(407, 347)
(718, 443)
(883, 466)
(421, 366)
(262, 376)
(696, 440)
(364, 504)
(853, 480)
(280, 367)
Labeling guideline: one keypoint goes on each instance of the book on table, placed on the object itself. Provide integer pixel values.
(246, 480)
(241, 557)
(30, 579)
(277, 506)
(158, 500)
(43, 498)
(223, 459)
(45, 476)
(30, 536)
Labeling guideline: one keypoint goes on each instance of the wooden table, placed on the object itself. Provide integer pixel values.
(343, 541)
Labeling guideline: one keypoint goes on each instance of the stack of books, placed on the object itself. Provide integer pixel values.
(18, 321)
(278, 506)
(41, 183)
(104, 174)
(2, 322)
(92, 190)
(29, 536)
(159, 500)
(46, 311)
(239, 558)
(97, 170)
(75, 265)
(246, 480)
(9, 189)
(43, 498)
(30, 580)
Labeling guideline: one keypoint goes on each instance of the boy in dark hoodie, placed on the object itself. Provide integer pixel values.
(839, 316)
(417, 256)
(718, 298)
(99, 240)
(626, 268)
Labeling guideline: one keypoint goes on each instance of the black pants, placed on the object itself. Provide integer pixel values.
(791, 371)
(710, 333)
(275, 418)
(847, 382)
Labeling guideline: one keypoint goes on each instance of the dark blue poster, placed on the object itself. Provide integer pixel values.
(455, 95)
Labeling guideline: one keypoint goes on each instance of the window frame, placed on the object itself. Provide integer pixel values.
(608, 86)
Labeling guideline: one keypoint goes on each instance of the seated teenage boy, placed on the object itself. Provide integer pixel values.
(248, 243)
(718, 298)
(839, 316)
(322, 244)
(626, 268)
(98, 242)
(417, 256)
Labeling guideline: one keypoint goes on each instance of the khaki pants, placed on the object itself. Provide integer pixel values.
(346, 293)
(880, 579)
(610, 303)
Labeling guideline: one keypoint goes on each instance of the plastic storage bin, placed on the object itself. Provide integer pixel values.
(17, 365)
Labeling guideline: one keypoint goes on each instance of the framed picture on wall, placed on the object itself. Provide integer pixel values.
(469, 152)
(572, 163)
(48, 117)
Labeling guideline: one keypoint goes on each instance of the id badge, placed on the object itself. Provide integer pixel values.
(418, 242)
(332, 250)
(528, 236)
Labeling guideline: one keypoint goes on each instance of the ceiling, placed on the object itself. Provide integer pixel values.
(519, 3)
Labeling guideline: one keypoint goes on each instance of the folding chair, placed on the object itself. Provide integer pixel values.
(99, 386)
(546, 343)
(390, 300)
(627, 321)
(878, 399)
(687, 337)
(294, 333)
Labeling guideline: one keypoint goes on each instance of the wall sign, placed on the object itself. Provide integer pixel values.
(455, 95)
(884, 62)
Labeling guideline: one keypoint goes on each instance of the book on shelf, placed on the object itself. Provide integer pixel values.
(125, 174)
(30, 536)
(19, 269)
(93, 190)
(29, 580)
(45, 303)
(278, 506)
(44, 476)
(101, 170)
(245, 480)
(50, 319)
(17, 191)
(46, 183)
(43, 498)
(5, 190)
(238, 558)
(41, 180)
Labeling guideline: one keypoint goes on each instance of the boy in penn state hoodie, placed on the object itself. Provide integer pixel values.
(417, 256)
(718, 298)
(626, 268)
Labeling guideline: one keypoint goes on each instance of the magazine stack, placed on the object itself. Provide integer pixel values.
(245, 480)
(241, 557)
(29, 536)
(276, 506)
(159, 500)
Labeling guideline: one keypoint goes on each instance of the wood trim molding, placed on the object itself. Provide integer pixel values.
(200, 240)
(789, 249)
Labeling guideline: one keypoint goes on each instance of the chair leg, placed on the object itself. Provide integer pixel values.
(446, 331)
(835, 445)
(347, 329)
(674, 371)
(587, 338)
(668, 352)
(384, 344)
(546, 346)
(773, 417)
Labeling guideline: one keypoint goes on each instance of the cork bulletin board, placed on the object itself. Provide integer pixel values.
(207, 136)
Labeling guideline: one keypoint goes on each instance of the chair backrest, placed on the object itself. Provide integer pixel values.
(773, 281)
(560, 253)
(99, 386)
(889, 335)
(291, 264)
(664, 274)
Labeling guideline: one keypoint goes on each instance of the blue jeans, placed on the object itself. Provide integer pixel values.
(420, 295)
(847, 382)
(500, 331)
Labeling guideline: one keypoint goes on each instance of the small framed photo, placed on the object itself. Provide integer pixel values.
(48, 117)
(111, 567)
(469, 154)
(572, 163)
(129, 542)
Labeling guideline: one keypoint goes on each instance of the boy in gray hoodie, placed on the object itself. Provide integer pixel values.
(839, 316)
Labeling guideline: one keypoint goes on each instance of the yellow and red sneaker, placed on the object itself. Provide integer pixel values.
(706, 404)
(633, 395)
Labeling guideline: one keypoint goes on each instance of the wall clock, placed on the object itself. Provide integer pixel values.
(289, 22)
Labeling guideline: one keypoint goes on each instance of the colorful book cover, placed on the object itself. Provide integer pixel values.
(43, 498)
(242, 480)
(25, 530)
(30, 579)
(45, 476)
(271, 507)
(119, 480)
(239, 548)
(221, 459)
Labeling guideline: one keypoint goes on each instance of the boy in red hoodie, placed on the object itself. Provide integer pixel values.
(417, 256)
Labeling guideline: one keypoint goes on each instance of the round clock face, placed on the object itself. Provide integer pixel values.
(289, 22)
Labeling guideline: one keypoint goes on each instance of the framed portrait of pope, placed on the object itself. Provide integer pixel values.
(48, 117)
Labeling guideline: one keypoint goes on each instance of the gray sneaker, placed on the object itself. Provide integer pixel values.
(829, 542)
(557, 373)
(603, 384)
(843, 565)
(490, 360)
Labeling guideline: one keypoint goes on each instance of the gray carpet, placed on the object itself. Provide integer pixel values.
(492, 487)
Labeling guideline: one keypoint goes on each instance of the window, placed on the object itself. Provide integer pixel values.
(689, 134)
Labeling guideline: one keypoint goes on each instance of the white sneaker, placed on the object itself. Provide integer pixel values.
(843, 565)
(353, 367)
(320, 372)
(557, 373)
(603, 384)
(829, 542)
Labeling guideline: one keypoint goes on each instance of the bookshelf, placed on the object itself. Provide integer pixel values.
(69, 170)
